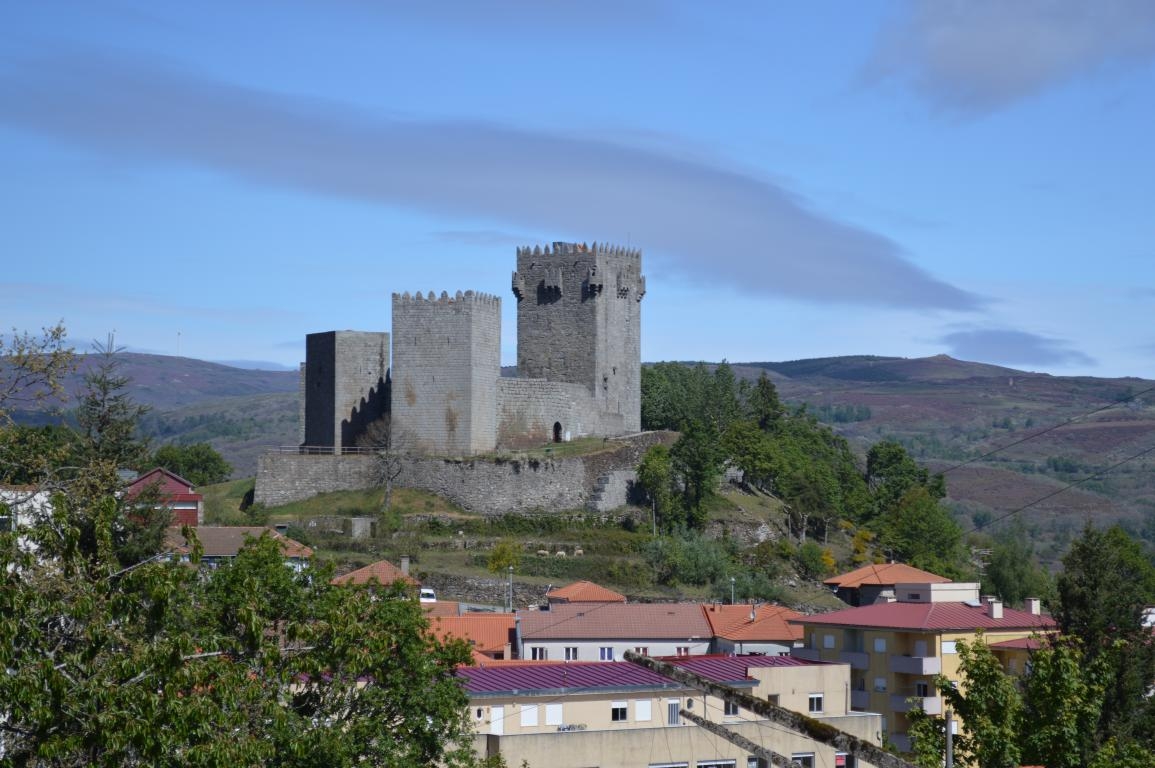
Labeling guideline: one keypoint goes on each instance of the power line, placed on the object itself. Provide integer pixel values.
(1052, 428)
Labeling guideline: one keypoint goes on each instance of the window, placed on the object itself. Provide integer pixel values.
(773, 699)
(553, 714)
(828, 641)
(683, 650)
(606, 653)
(717, 763)
(921, 689)
(880, 684)
(673, 712)
(806, 760)
(528, 715)
(843, 760)
(754, 762)
(948, 646)
(880, 645)
(815, 706)
(5, 524)
(571, 653)
(642, 649)
(730, 709)
(537, 653)
(618, 711)
(642, 710)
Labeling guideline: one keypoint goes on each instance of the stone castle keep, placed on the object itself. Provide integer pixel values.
(578, 362)
(438, 377)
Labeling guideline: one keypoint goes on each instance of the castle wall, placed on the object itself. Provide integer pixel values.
(528, 409)
(579, 321)
(446, 363)
(344, 383)
(599, 481)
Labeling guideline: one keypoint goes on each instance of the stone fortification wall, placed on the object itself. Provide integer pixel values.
(344, 383)
(529, 411)
(446, 363)
(522, 484)
(578, 321)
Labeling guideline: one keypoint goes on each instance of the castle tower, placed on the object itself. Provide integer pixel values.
(446, 363)
(343, 383)
(579, 321)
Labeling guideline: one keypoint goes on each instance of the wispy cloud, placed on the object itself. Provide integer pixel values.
(710, 224)
(1009, 347)
(975, 56)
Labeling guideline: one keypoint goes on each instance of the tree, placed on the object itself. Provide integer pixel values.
(389, 446)
(656, 479)
(1105, 585)
(108, 416)
(697, 461)
(763, 406)
(919, 531)
(32, 369)
(1013, 572)
(504, 555)
(1063, 700)
(251, 663)
(891, 472)
(198, 463)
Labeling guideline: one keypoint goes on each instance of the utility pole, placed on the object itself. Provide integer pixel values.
(511, 589)
(949, 739)
(731, 590)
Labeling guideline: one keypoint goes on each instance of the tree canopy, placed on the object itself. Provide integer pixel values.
(199, 463)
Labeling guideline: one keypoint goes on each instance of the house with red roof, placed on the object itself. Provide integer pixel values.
(604, 631)
(169, 490)
(577, 714)
(381, 573)
(875, 581)
(895, 649)
(761, 629)
(583, 592)
(492, 636)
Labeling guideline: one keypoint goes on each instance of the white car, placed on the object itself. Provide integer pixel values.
(427, 595)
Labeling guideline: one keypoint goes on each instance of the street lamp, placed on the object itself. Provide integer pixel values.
(511, 589)
(731, 590)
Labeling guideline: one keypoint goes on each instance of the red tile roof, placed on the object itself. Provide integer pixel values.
(884, 573)
(584, 592)
(167, 483)
(1018, 644)
(381, 572)
(649, 621)
(770, 622)
(928, 617)
(442, 608)
(227, 540)
(486, 632)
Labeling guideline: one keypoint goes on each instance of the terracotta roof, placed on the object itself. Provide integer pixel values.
(486, 632)
(884, 573)
(1019, 644)
(442, 608)
(770, 623)
(649, 621)
(227, 540)
(381, 572)
(553, 676)
(585, 592)
(928, 617)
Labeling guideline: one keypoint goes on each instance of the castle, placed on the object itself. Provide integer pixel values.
(578, 362)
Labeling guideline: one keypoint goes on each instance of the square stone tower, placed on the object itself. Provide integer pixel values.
(579, 321)
(344, 386)
(446, 363)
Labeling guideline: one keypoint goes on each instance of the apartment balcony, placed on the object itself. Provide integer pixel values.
(932, 705)
(807, 654)
(856, 659)
(916, 665)
(860, 700)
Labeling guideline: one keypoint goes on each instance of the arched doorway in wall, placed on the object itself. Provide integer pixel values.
(557, 431)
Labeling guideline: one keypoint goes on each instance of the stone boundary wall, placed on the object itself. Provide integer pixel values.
(486, 486)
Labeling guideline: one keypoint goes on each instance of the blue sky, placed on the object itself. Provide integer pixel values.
(804, 179)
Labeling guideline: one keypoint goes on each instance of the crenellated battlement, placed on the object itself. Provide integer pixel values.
(581, 249)
(467, 297)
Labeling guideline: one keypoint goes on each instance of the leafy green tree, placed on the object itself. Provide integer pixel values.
(891, 472)
(32, 369)
(762, 404)
(250, 664)
(505, 553)
(198, 463)
(697, 462)
(1103, 589)
(1063, 700)
(1014, 573)
(656, 478)
(919, 531)
(108, 417)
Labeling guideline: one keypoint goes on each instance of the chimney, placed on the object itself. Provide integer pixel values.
(1034, 606)
(995, 609)
(405, 565)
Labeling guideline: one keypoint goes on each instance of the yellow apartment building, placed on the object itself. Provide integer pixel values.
(896, 648)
